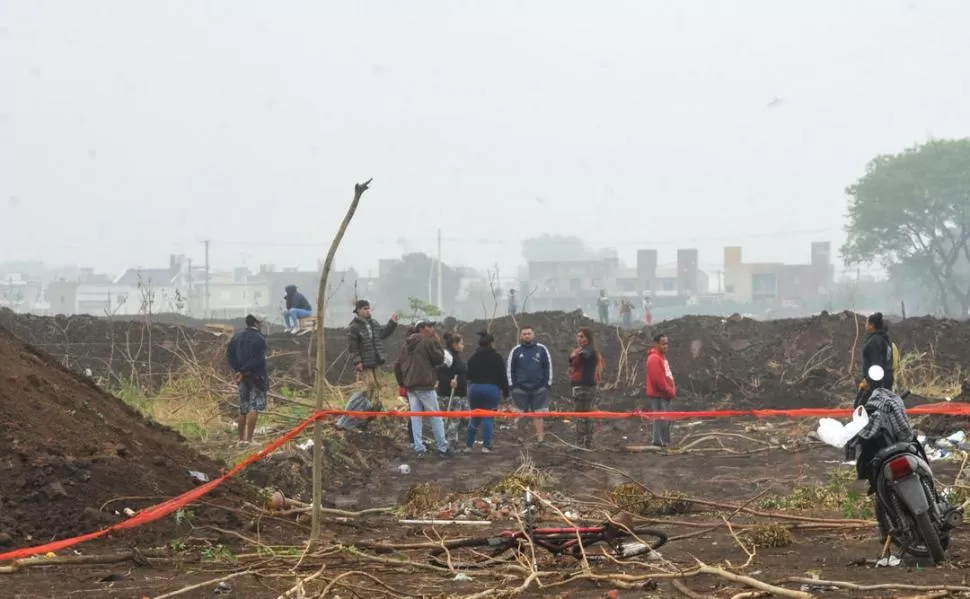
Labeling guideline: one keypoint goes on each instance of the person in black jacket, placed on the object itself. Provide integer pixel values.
(877, 350)
(488, 384)
(297, 307)
(246, 354)
(453, 386)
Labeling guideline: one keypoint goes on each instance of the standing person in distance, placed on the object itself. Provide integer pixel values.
(417, 371)
(246, 354)
(878, 350)
(297, 307)
(529, 372)
(365, 344)
(585, 372)
(488, 385)
(661, 388)
(453, 385)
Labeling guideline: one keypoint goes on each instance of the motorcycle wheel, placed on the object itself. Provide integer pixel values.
(921, 552)
(930, 537)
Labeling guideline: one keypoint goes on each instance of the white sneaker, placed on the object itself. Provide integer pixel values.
(486, 450)
(295, 330)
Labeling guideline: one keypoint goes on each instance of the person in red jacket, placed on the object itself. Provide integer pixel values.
(661, 388)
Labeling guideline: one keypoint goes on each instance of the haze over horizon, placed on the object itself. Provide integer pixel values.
(132, 130)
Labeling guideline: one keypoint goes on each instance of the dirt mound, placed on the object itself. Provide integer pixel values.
(74, 456)
(794, 362)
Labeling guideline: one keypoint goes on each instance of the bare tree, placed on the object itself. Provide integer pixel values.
(320, 376)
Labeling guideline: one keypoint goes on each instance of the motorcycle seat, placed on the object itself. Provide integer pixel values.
(895, 448)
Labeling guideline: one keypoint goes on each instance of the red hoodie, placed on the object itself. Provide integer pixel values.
(660, 381)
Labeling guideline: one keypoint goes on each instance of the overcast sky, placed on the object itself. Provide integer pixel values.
(133, 129)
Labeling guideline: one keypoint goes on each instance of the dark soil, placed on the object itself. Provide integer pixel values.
(73, 456)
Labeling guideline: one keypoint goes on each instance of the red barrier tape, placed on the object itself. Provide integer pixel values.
(170, 506)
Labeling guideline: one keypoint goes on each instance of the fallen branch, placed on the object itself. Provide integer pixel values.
(889, 586)
(74, 560)
(200, 585)
(703, 568)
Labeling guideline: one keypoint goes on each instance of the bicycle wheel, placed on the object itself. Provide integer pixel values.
(471, 554)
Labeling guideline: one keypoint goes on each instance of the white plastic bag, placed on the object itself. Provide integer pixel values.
(834, 433)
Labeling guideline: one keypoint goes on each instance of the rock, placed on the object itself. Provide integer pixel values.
(121, 450)
(55, 490)
(6, 538)
(158, 460)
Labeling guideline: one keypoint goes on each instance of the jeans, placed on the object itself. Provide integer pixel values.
(661, 428)
(426, 400)
(482, 397)
(292, 316)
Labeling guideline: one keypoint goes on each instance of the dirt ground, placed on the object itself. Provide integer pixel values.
(766, 462)
(71, 456)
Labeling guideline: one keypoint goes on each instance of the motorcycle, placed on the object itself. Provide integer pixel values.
(910, 511)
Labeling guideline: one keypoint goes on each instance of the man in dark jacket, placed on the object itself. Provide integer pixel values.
(877, 350)
(365, 344)
(529, 370)
(246, 355)
(417, 371)
(297, 307)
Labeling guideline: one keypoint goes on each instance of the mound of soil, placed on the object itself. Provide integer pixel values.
(73, 457)
(729, 361)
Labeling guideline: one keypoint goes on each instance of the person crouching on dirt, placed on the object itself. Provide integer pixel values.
(661, 388)
(530, 378)
(488, 384)
(585, 371)
(246, 354)
(417, 371)
(365, 345)
(453, 386)
(297, 307)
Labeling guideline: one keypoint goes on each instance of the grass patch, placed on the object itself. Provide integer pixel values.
(188, 404)
(919, 372)
(767, 536)
(422, 499)
(526, 476)
(834, 495)
(634, 498)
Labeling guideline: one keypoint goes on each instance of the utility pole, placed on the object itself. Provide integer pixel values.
(440, 307)
(205, 312)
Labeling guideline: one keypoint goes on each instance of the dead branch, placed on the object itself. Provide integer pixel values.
(73, 560)
(200, 585)
(754, 583)
(321, 366)
(888, 586)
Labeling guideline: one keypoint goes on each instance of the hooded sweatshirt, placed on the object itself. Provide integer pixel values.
(417, 364)
(660, 380)
(878, 350)
(295, 299)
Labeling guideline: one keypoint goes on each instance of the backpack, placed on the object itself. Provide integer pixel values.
(359, 402)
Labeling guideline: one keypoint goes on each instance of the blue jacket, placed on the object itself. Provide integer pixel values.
(529, 367)
(246, 353)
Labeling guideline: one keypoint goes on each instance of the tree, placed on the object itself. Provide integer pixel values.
(547, 248)
(911, 212)
(410, 277)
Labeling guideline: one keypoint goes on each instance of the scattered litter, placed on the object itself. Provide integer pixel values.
(129, 512)
(199, 476)
(404, 469)
(834, 433)
(223, 588)
(462, 578)
(888, 562)
(306, 445)
(444, 522)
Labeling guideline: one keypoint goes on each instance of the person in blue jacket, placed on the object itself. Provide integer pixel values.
(529, 371)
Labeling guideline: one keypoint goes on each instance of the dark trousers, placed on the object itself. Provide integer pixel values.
(584, 400)
(661, 428)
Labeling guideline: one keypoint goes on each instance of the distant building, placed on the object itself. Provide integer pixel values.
(772, 282)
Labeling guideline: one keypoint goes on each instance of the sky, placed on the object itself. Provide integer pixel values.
(131, 130)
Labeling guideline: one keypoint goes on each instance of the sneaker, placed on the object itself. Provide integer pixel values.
(445, 454)
(465, 450)
(419, 455)
(486, 450)
(295, 330)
